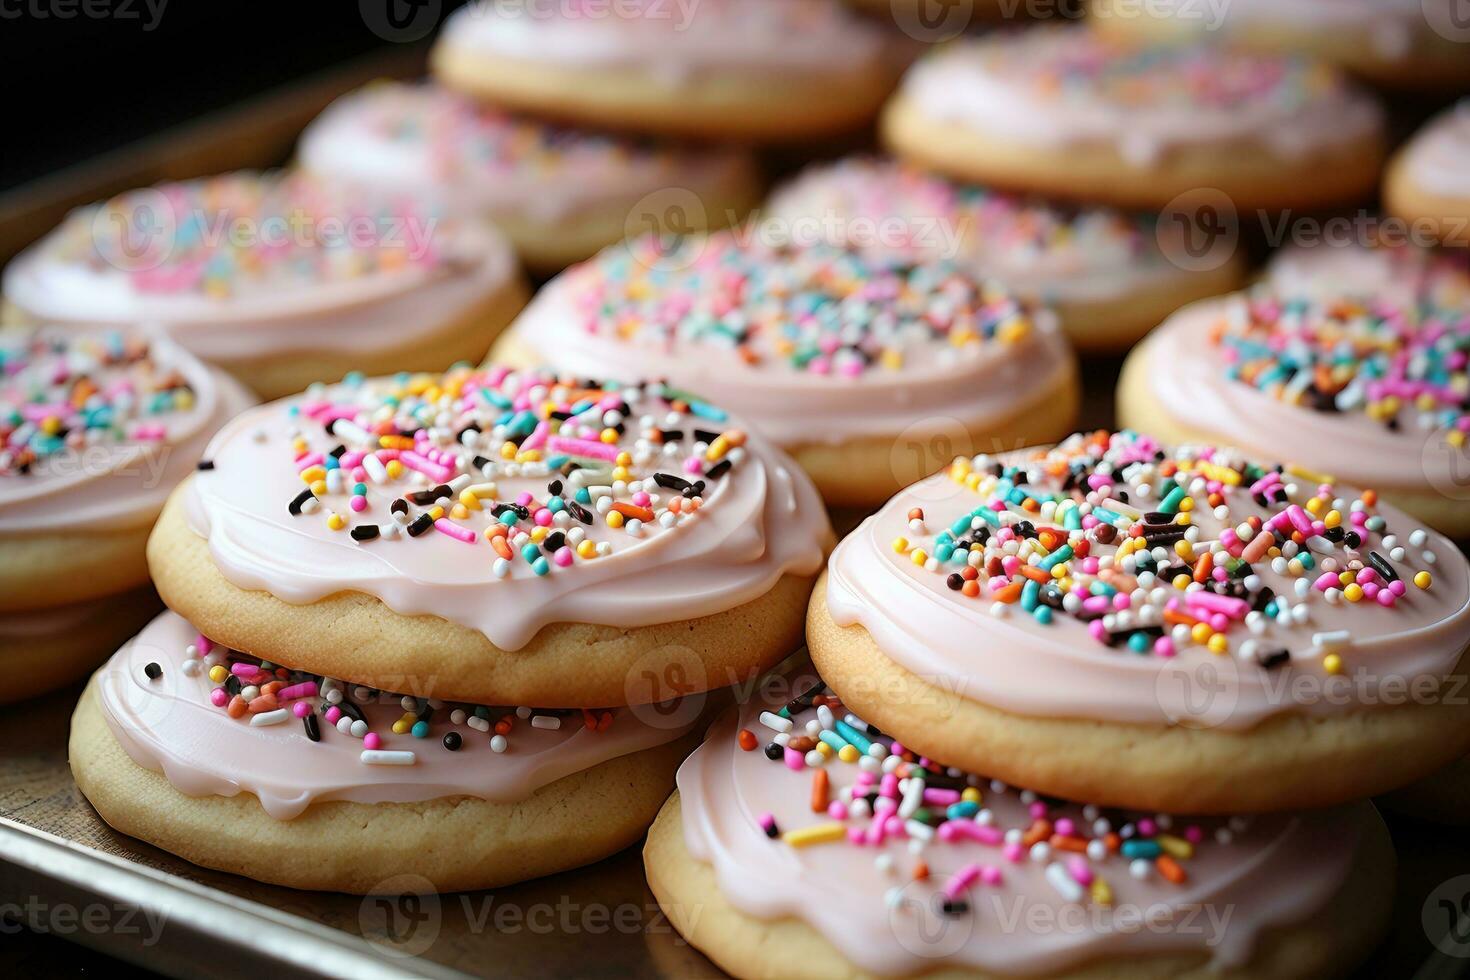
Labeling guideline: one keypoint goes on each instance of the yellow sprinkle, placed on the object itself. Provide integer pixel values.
(1423, 580)
(900, 545)
(319, 488)
(824, 749)
(217, 673)
(1353, 593)
(848, 753)
(1186, 505)
(1201, 633)
(469, 501)
(1184, 549)
(822, 833)
(971, 794)
(1218, 643)
(460, 512)
(614, 519)
(336, 522)
(394, 469)
(1332, 663)
(1102, 892)
(436, 511)
(538, 534)
(919, 556)
(312, 474)
(1176, 847)
(608, 436)
(587, 549)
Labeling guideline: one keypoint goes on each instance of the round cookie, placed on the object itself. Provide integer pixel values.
(1071, 114)
(718, 69)
(558, 194)
(1426, 183)
(1178, 630)
(1364, 389)
(897, 866)
(1399, 44)
(96, 427)
(319, 784)
(869, 371)
(1107, 275)
(1397, 271)
(280, 279)
(498, 536)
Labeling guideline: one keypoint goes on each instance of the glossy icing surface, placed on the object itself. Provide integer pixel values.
(506, 501)
(248, 731)
(247, 265)
(444, 147)
(98, 426)
(1096, 580)
(811, 344)
(906, 866)
(1069, 86)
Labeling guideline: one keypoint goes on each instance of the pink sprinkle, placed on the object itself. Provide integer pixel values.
(445, 526)
(301, 709)
(582, 447)
(358, 504)
(218, 697)
(371, 741)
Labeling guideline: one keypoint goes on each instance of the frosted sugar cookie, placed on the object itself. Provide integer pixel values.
(1401, 44)
(717, 69)
(1363, 388)
(1069, 113)
(1176, 629)
(278, 278)
(873, 860)
(311, 782)
(1428, 182)
(558, 194)
(96, 427)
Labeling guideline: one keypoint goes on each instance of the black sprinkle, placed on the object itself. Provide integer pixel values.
(301, 498)
(205, 464)
(452, 741)
(364, 532)
(313, 727)
(718, 470)
(420, 525)
(153, 671)
(774, 752)
(1272, 657)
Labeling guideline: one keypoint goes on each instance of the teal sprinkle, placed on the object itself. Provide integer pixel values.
(837, 742)
(420, 729)
(1170, 504)
(1030, 594)
(1138, 642)
(1056, 558)
(1146, 849)
(963, 810)
(558, 461)
(853, 735)
(1042, 614)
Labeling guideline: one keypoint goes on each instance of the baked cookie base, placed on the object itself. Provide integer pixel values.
(456, 843)
(1446, 219)
(355, 637)
(748, 106)
(1432, 64)
(43, 571)
(1137, 410)
(34, 664)
(1287, 762)
(1112, 326)
(1325, 944)
(1245, 172)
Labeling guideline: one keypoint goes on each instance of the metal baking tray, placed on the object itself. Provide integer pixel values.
(65, 873)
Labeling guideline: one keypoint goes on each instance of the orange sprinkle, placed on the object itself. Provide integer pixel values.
(633, 510)
(820, 787)
(1170, 869)
(748, 741)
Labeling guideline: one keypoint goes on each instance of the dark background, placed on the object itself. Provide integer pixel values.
(84, 76)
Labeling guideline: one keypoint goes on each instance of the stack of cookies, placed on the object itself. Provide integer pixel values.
(96, 427)
(1109, 707)
(459, 626)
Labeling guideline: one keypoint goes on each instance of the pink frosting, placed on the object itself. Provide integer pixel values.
(107, 485)
(1186, 379)
(1393, 25)
(169, 725)
(439, 145)
(758, 522)
(939, 380)
(1399, 272)
(1436, 156)
(673, 40)
(1244, 876)
(255, 265)
(1060, 669)
(1068, 87)
(1045, 252)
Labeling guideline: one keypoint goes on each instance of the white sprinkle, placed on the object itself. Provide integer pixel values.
(385, 757)
(269, 718)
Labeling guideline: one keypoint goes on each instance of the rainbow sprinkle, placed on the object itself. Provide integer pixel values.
(1109, 530)
(818, 310)
(61, 394)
